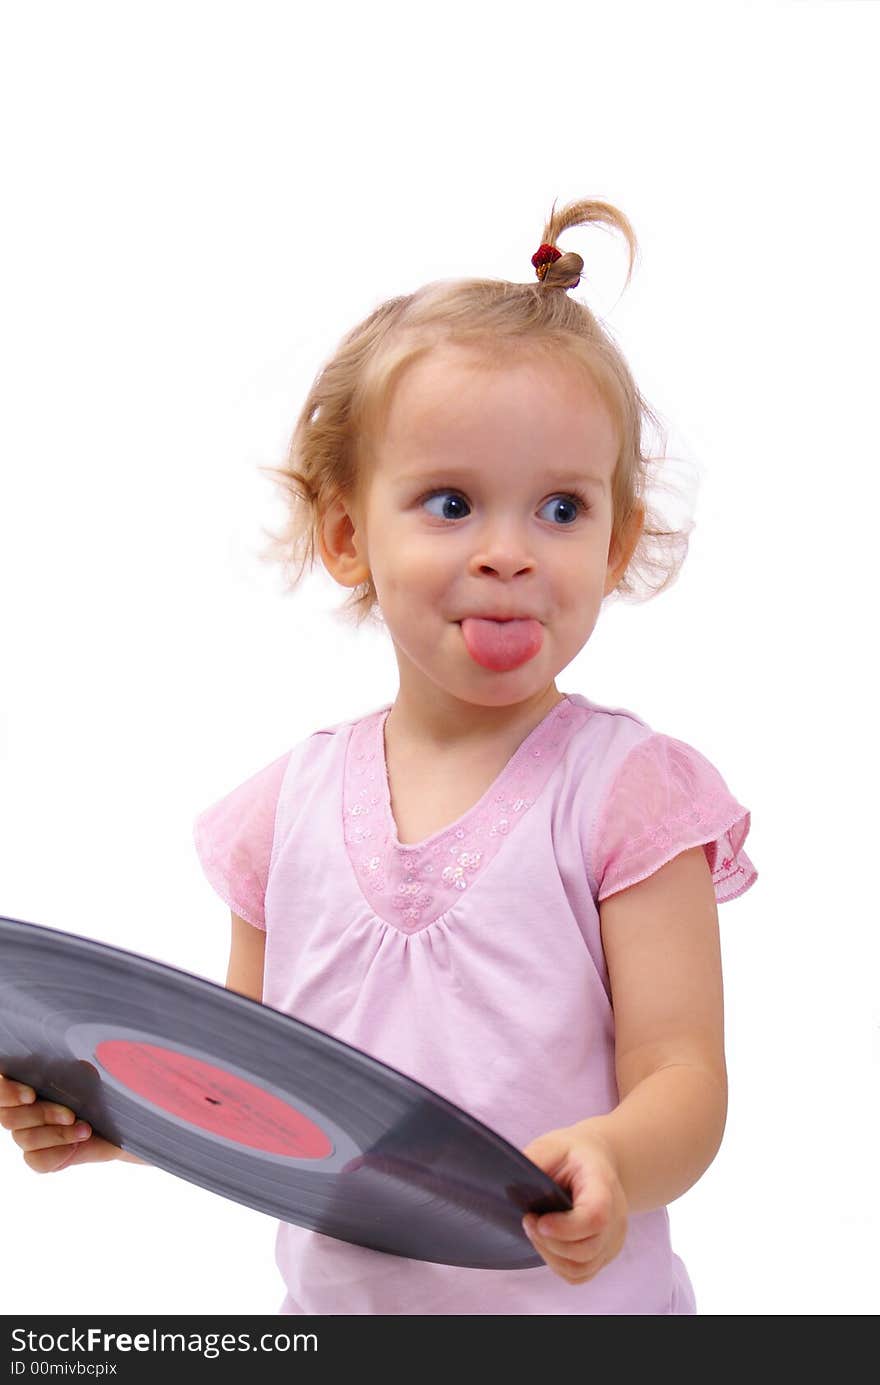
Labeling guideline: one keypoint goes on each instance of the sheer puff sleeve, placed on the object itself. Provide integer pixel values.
(665, 798)
(233, 839)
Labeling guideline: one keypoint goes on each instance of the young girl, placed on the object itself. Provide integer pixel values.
(505, 891)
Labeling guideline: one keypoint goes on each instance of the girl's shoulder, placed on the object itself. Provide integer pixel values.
(605, 733)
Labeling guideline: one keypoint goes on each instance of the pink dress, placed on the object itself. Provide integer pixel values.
(471, 961)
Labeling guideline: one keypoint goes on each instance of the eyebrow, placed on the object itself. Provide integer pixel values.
(451, 473)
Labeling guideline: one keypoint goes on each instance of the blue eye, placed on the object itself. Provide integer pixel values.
(570, 501)
(440, 495)
(575, 504)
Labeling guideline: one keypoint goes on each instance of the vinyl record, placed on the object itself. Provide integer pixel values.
(259, 1107)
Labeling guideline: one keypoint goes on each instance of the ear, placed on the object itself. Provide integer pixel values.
(622, 549)
(343, 551)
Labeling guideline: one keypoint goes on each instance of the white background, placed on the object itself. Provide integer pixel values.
(200, 200)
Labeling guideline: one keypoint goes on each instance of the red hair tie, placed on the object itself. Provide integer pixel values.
(545, 255)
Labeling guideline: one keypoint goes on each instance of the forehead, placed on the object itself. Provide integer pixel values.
(451, 399)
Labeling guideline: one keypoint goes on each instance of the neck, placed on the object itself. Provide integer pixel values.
(451, 725)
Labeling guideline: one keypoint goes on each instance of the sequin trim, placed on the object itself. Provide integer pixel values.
(410, 884)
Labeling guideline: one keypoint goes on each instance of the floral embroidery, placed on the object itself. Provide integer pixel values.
(454, 875)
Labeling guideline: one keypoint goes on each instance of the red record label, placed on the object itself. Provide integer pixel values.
(214, 1100)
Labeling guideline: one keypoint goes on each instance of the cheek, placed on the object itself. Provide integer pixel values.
(412, 563)
(394, 579)
(574, 572)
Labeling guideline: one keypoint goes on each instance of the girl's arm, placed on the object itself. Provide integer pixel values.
(662, 948)
(247, 956)
(661, 944)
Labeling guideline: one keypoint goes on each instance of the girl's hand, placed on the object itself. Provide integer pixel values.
(578, 1244)
(48, 1133)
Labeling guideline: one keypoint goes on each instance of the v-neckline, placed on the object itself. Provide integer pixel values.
(513, 762)
(412, 884)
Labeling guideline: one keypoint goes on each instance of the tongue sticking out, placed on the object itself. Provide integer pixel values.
(502, 644)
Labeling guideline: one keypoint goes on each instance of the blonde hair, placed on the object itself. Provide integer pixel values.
(342, 416)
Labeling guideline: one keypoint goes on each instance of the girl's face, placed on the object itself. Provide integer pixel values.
(490, 494)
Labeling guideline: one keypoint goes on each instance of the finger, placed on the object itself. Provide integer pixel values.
(92, 1150)
(14, 1093)
(54, 1160)
(38, 1113)
(580, 1224)
(576, 1252)
(579, 1252)
(49, 1136)
(587, 1218)
(575, 1271)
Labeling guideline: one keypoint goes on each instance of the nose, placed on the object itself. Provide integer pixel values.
(504, 552)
